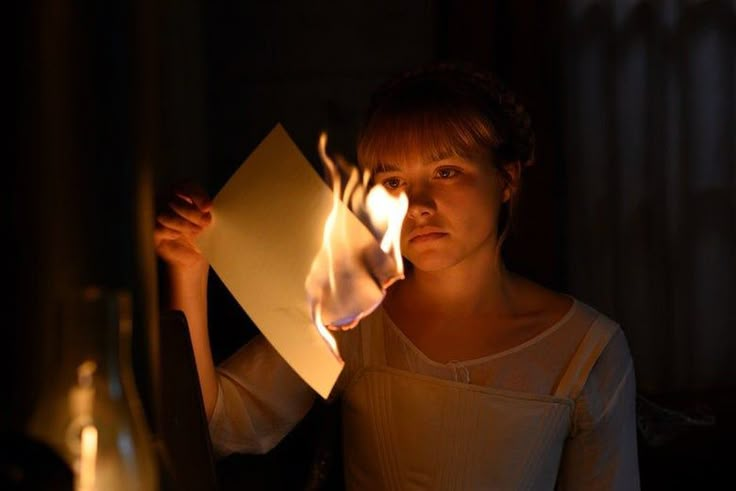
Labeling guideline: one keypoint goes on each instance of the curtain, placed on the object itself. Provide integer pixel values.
(650, 155)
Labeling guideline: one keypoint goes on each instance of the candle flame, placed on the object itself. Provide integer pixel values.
(87, 459)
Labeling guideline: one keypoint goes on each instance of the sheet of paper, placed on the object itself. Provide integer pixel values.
(267, 229)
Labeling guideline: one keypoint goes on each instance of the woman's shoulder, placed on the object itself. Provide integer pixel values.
(557, 304)
(593, 328)
(611, 379)
(598, 324)
(599, 332)
(604, 358)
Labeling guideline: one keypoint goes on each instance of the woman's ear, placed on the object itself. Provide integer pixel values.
(511, 180)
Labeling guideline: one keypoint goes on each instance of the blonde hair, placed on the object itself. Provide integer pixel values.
(443, 110)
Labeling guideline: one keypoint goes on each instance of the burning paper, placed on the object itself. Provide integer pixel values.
(350, 274)
(268, 237)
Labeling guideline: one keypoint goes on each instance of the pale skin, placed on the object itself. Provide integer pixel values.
(458, 302)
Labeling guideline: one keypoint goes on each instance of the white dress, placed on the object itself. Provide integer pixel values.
(557, 411)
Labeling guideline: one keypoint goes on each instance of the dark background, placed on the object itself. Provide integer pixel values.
(112, 102)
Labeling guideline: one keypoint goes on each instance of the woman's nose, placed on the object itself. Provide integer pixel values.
(421, 203)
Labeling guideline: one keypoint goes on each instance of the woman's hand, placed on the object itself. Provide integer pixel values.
(185, 216)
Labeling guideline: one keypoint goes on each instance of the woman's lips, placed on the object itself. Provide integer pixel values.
(427, 237)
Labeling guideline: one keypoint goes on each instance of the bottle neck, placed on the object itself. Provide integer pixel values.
(95, 340)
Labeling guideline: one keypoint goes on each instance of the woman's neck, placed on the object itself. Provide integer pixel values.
(465, 289)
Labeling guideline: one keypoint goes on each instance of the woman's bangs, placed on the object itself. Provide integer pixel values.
(427, 136)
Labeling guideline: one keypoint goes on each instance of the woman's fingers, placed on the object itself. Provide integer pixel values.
(173, 220)
(190, 212)
(194, 194)
(185, 215)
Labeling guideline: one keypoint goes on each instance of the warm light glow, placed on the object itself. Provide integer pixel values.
(351, 272)
(87, 459)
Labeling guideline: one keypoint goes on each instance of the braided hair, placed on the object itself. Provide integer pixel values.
(442, 110)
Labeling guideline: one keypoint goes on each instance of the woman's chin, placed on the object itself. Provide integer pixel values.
(430, 263)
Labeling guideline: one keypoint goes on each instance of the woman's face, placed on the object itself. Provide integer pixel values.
(453, 209)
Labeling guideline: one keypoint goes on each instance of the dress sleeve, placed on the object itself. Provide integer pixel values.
(601, 452)
(259, 400)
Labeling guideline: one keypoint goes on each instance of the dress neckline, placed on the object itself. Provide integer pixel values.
(474, 361)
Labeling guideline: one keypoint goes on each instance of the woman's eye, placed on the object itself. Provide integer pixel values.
(392, 183)
(446, 173)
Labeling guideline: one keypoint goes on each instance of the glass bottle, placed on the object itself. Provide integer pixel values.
(89, 411)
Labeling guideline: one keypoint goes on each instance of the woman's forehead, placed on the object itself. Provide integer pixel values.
(395, 162)
(404, 165)
(401, 140)
(396, 152)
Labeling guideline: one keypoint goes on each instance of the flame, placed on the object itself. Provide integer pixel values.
(350, 274)
(389, 211)
(322, 329)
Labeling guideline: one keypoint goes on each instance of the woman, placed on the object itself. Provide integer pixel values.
(468, 376)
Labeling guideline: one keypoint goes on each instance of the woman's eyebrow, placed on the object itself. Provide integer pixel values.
(439, 159)
(387, 168)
